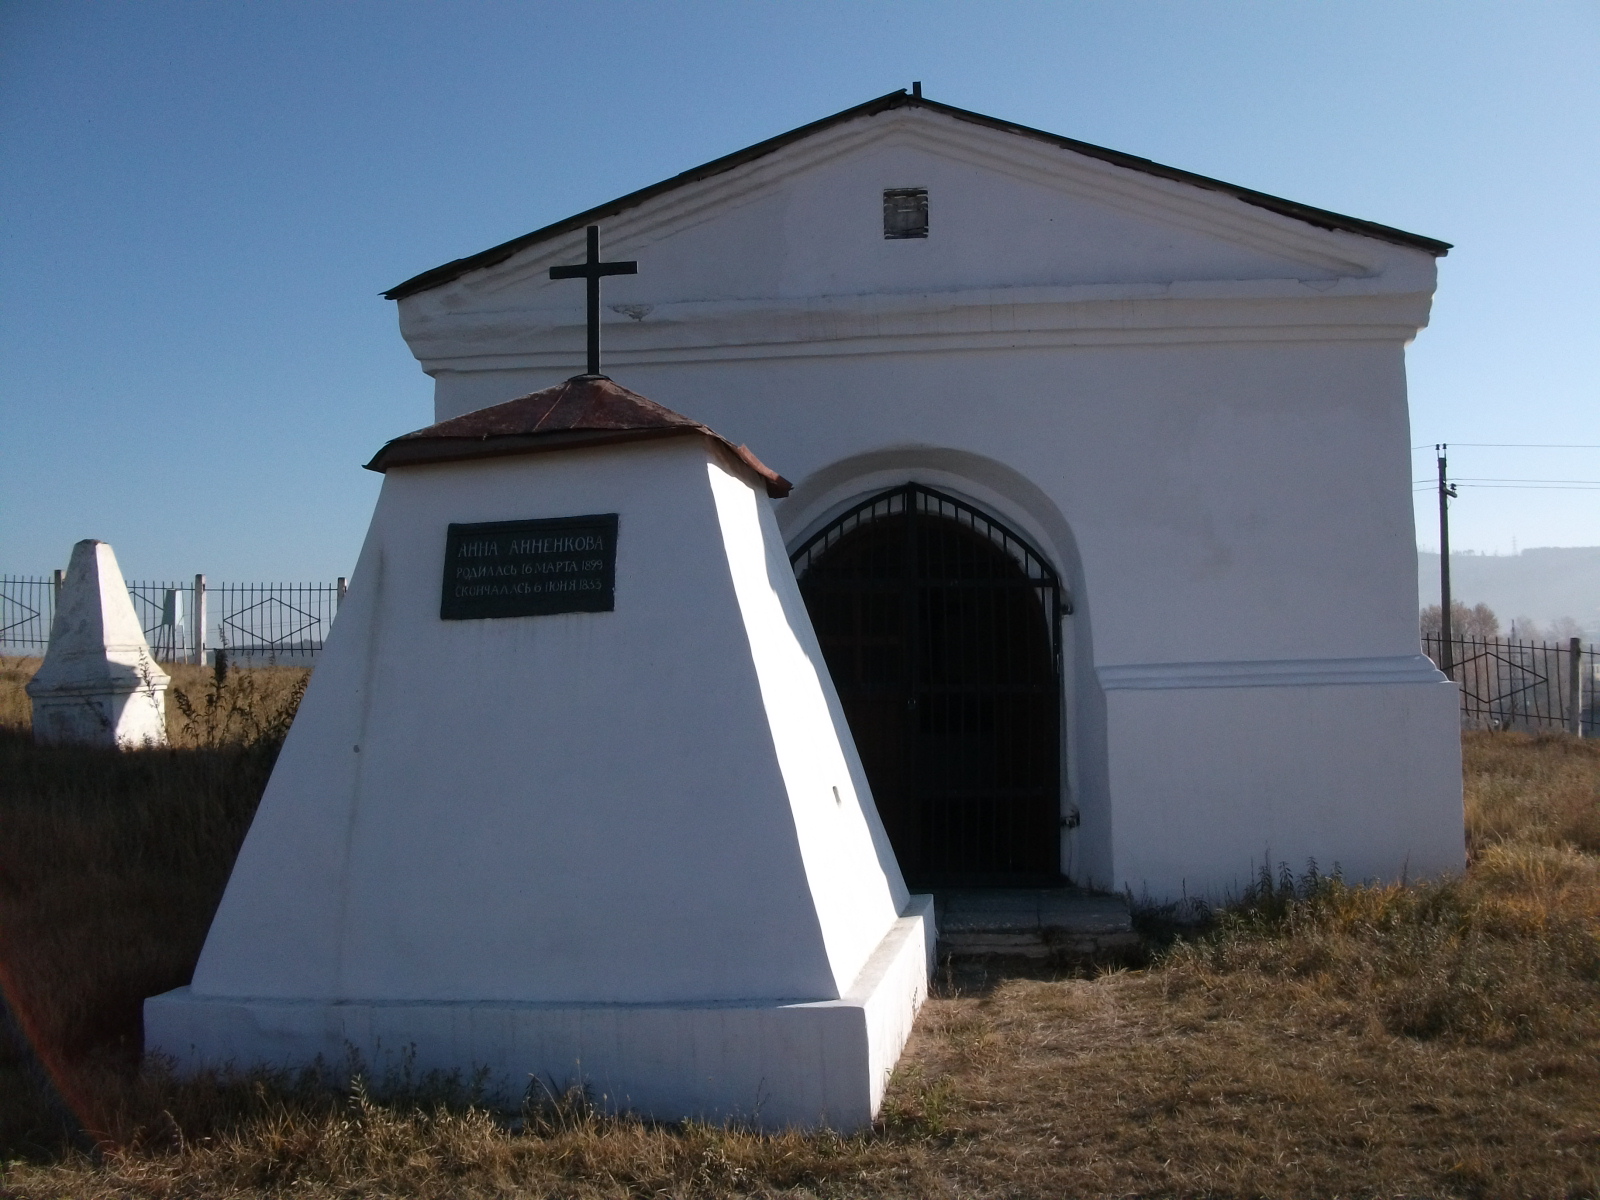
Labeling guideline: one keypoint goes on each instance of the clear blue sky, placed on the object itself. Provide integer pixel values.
(199, 203)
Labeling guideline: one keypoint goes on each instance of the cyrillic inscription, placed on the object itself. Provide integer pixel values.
(530, 568)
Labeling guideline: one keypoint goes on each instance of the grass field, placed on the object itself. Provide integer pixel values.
(1317, 1039)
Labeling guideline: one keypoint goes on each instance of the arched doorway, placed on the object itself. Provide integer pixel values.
(941, 630)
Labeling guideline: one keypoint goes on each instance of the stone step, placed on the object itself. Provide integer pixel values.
(1031, 922)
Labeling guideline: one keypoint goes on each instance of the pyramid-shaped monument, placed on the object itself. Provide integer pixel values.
(99, 684)
(571, 795)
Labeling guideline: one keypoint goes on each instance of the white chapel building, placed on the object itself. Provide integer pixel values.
(1102, 504)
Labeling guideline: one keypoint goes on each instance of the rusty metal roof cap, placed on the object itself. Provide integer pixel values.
(585, 411)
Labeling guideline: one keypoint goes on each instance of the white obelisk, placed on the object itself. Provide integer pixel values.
(99, 684)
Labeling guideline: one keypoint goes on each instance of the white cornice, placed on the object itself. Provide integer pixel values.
(1305, 672)
(897, 323)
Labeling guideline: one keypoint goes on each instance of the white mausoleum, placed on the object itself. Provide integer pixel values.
(1102, 507)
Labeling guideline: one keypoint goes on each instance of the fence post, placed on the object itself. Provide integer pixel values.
(343, 587)
(199, 620)
(1575, 689)
(56, 581)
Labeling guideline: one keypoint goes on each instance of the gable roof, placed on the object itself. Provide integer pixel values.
(1319, 217)
(584, 411)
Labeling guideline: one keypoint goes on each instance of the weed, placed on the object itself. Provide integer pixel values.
(236, 709)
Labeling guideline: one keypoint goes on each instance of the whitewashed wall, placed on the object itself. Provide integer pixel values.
(1196, 408)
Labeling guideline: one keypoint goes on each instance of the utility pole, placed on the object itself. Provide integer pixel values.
(1447, 491)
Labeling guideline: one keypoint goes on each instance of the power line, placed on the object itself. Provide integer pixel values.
(1493, 479)
(1530, 487)
(1516, 445)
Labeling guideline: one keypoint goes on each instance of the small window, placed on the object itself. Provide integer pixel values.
(905, 212)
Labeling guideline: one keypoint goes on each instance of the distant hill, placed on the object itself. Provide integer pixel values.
(1545, 583)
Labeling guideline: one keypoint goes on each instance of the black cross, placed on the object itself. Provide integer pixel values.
(592, 271)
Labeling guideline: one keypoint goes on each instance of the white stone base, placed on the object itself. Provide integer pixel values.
(124, 719)
(770, 1065)
(1362, 775)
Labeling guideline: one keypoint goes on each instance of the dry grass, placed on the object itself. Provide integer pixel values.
(111, 864)
(1317, 1040)
(236, 707)
(1545, 798)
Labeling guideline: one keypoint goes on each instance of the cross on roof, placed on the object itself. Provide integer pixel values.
(591, 271)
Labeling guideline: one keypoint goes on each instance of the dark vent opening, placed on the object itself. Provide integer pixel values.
(905, 212)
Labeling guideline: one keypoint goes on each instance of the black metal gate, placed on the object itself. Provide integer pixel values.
(941, 629)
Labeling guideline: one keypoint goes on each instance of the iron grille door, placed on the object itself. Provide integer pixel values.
(940, 629)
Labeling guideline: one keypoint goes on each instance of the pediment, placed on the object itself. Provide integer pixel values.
(1009, 208)
(1027, 239)
(996, 220)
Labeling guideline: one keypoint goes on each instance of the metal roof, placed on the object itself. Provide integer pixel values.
(1319, 217)
(584, 411)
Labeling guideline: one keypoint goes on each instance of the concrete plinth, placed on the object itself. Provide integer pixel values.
(1353, 764)
(772, 1065)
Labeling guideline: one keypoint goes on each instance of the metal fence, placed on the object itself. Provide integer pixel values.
(27, 604)
(1509, 684)
(188, 621)
(275, 621)
(1505, 684)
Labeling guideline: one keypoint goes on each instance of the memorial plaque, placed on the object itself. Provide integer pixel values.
(530, 568)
